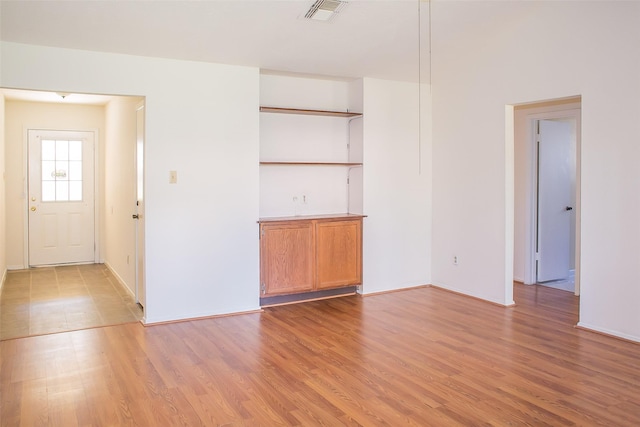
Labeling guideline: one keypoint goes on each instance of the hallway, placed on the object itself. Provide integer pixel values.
(66, 298)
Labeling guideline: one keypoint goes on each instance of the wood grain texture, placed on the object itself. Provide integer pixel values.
(420, 357)
(333, 216)
(338, 253)
(312, 255)
(287, 257)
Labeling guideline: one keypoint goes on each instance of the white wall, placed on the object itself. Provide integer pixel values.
(201, 121)
(490, 54)
(119, 189)
(303, 190)
(397, 172)
(392, 188)
(20, 115)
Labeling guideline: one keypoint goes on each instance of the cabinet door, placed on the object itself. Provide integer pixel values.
(339, 253)
(286, 257)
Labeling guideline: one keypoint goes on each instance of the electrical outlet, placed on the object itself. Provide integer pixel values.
(173, 177)
(455, 260)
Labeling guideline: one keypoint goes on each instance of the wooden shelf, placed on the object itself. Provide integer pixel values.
(312, 217)
(309, 112)
(311, 163)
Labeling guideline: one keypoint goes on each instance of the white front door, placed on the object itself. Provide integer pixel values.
(555, 199)
(61, 197)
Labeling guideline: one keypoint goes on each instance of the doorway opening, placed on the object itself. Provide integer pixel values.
(547, 194)
(53, 171)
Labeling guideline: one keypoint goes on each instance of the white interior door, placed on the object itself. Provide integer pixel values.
(555, 199)
(61, 197)
(139, 215)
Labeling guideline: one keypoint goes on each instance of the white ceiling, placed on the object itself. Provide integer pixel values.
(53, 97)
(373, 38)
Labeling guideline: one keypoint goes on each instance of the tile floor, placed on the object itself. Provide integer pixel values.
(57, 299)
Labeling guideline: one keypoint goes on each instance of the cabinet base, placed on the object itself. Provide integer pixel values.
(307, 296)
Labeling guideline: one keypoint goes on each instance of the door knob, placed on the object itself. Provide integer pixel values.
(568, 208)
(135, 216)
(33, 208)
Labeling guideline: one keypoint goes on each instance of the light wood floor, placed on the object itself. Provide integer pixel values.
(57, 299)
(421, 357)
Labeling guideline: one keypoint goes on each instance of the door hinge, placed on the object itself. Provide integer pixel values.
(537, 256)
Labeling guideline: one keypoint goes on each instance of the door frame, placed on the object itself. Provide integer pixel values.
(96, 187)
(532, 223)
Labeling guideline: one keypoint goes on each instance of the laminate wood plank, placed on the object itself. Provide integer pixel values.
(11, 402)
(34, 408)
(420, 357)
(210, 413)
(346, 402)
(269, 406)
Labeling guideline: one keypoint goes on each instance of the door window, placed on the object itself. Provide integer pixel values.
(61, 170)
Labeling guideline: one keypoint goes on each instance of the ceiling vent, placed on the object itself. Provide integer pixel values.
(325, 10)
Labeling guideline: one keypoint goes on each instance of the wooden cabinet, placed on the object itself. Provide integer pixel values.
(310, 254)
(287, 257)
(338, 253)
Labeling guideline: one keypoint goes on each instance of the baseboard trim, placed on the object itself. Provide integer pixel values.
(607, 333)
(119, 279)
(462, 294)
(390, 291)
(193, 319)
(307, 296)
